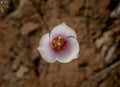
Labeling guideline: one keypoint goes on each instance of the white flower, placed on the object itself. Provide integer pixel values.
(59, 45)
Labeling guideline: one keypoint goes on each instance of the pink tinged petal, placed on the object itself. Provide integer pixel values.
(45, 40)
(47, 54)
(45, 49)
(62, 30)
(70, 53)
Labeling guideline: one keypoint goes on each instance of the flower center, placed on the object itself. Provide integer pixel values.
(59, 44)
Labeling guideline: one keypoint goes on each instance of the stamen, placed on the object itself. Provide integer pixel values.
(59, 44)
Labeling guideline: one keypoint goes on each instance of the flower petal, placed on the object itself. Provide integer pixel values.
(45, 40)
(47, 54)
(62, 30)
(70, 53)
(45, 49)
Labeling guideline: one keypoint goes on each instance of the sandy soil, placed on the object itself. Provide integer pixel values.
(23, 22)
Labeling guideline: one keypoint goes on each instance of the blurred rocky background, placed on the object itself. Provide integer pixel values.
(23, 22)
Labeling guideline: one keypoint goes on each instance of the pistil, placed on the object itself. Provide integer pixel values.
(59, 44)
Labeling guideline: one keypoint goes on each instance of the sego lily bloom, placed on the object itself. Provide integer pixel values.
(59, 45)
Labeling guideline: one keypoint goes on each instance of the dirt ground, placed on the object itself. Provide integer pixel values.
(23, 22)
